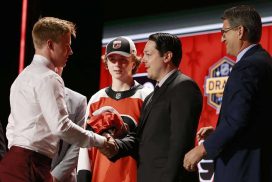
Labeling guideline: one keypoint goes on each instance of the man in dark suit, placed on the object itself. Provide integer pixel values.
(169, 116)
(240, 144)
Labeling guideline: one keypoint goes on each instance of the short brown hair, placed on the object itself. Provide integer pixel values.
(247, 17)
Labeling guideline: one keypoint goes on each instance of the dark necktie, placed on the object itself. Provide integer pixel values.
(150, 98)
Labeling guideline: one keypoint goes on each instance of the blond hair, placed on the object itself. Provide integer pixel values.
(51, 28)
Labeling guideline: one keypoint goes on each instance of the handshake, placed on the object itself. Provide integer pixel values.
(110, 147)
(107, 122)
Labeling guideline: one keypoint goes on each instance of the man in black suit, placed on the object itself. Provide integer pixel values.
(240, 144)
(169, 116)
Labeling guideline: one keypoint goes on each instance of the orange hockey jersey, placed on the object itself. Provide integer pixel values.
(128, 104)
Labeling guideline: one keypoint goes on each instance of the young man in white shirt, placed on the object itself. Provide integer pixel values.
(39, 116)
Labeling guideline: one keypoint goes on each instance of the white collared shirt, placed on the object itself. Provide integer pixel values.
(165, 77)
(39, 114)
(240, 55)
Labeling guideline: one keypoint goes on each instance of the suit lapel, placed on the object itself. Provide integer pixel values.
(156, 97)
(251, 51)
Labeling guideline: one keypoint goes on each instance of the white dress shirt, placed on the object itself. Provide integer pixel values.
(65, 162)
(240, 55)
(165, 77)
(39, 115)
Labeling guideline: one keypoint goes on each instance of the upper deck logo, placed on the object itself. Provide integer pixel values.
(215, 83)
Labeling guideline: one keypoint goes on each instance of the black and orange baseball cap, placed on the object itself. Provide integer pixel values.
(121, 45)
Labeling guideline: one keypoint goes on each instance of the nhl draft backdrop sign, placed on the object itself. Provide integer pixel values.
(215, 83)
(205, 60)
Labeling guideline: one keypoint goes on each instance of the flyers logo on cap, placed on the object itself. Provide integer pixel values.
(116, 44)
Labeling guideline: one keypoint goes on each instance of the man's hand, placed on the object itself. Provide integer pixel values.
(204, 132)
(192, 158)
(110, 147)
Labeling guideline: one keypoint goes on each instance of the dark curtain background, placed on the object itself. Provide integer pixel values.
(82, 71)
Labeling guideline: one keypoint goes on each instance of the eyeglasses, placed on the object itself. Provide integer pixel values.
(224, 31)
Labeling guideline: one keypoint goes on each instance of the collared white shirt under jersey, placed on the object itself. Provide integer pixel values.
(240, 55)
(39, 114)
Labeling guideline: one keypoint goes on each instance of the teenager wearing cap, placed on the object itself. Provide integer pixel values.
(169, 118)
(117, 108)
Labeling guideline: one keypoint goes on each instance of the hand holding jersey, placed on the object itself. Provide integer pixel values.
(107, 119)
(108, 122)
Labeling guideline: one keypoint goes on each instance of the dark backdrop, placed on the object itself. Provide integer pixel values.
(82, 71)
(10, 38)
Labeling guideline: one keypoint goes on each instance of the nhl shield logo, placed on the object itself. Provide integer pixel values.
(116, 44)
(215, 83)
